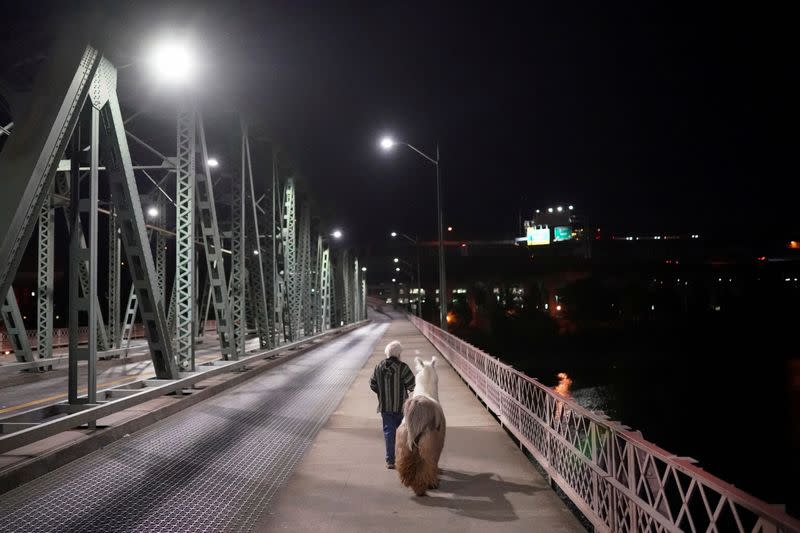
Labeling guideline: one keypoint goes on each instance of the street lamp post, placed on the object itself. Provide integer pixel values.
(414, 241)
(414, 280)
(387, 143)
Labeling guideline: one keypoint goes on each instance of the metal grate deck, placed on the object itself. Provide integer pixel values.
(213, 467)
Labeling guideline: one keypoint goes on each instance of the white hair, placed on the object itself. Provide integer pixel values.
(393, 349)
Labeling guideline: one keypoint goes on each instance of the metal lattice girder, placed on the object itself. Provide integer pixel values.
(304, 268)
(161, 246)
(316, 298)
(250, 308)
(363, 299)
(130, 317)
(30, 157)
(15, 328)
(347, 301)
(184, 238)
(336, 289)
(114, 264)
(255, 258)
(127, 203)
(274, 292)
(205, 303)
(214, 263)
(356, 291)
(213, 251)
(325, 288)
(62, 186)
(44, 292)
(238, 280)
(291, 274)
(282, 301)
(81, 295)
(171, 311)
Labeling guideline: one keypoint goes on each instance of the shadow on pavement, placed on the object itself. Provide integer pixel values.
(481, 496)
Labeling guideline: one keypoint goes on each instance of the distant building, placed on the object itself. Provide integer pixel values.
(552, 225)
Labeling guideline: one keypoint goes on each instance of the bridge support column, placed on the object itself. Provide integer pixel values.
(44, 292)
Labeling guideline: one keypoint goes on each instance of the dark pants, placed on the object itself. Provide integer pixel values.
(390, 423)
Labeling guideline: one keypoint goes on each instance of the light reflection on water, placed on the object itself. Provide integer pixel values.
(596, 398)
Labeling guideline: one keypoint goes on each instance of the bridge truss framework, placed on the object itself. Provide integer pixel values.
(260, 261)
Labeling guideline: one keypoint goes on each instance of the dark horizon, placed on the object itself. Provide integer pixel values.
(663, 119)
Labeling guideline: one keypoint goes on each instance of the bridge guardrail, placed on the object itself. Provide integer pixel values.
(618, 480)
(61, 336)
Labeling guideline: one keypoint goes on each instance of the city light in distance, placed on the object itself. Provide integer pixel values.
(396, 259)
(336, 234)
(152, 212)
(212, 162)
(393, 234)
(363, 269)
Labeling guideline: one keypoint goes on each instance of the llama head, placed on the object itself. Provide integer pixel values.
(426, 379)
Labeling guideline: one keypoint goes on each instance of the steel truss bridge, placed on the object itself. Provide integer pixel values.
(257, 262)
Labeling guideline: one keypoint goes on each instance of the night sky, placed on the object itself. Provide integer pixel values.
(664, 118)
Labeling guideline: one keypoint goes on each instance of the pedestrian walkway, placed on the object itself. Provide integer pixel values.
(342, 483)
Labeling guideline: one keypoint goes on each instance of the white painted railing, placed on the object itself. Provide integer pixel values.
(617, 479)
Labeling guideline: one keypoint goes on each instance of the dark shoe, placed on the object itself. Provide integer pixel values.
(390, 466)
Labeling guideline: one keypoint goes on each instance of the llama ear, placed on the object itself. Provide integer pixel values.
(419, 362)
(433, 361)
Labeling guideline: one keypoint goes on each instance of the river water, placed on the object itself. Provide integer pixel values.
(695, 397)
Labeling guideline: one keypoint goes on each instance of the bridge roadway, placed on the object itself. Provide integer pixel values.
(275, 453)
(25, 390)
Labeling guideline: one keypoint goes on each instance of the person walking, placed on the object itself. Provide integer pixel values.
(391, 380)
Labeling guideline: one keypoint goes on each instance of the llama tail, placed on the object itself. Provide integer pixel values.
(418, 466)
(409, 466)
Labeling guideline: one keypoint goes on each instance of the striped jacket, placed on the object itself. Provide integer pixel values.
(392, 380)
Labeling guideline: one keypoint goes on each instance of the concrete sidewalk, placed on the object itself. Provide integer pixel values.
(342, 483)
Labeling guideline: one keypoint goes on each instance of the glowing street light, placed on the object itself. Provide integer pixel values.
(212, 162)
(172, 62)
(363, 269)
(336, 234)
(449, 228)
(559, 209)
(393, 234)
(152, 212)
(549, 209)
(397, 269)
(394, 280)
(387, 143)
(396, 259)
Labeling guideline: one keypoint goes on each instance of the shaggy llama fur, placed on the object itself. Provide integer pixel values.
(420, 438)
